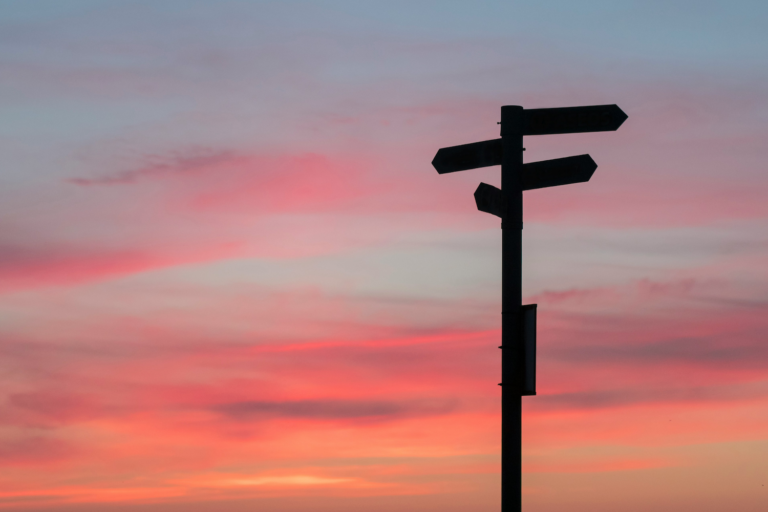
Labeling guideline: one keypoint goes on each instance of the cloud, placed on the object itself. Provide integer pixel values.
(36, 451)
(51, 407)
(174, 163)
(40, 263)
(683, 396)
(336, 409)
(263, 135)
(357, 392)
(291, 480)
(638, 292)
(726, 352)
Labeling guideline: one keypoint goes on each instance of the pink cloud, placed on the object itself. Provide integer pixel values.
(37, 451)
(50, 265)
(211, 404)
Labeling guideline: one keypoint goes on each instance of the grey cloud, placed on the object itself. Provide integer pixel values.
(335, 409)
(156, 166)
(726, 350)
(33, 450)
(604, 399)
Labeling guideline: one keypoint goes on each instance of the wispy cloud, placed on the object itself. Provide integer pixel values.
(336, 409)
(158, 166)
(615, 399)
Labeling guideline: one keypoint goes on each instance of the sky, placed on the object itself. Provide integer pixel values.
(230, 278)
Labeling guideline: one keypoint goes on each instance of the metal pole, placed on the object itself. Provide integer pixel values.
(511, 302)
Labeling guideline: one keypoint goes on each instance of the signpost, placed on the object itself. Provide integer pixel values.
(518, 322)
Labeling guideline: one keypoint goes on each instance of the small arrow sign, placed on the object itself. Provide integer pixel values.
(560, 171)
(551, 121)
(468, 156)
(489, 199)
(547, 173)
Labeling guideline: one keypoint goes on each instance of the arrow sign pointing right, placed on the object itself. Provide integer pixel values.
(537, 121)
(551, 121)
(547, 173)
(560, 171)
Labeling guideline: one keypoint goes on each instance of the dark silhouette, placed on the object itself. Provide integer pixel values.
(518, 322)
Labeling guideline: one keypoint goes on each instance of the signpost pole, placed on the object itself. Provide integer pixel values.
(518, 341)
(511, 303)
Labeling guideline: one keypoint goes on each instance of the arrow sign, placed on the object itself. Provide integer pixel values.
(468, 156)
(489, 199)
(538, 121)
(560, 171)
(547, 173)
(550, 121)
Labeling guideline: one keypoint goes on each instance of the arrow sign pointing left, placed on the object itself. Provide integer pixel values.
(468, 156)
(489, 200)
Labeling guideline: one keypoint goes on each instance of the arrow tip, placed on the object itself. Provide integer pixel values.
(442, 162)
(435, 162)
(621, 116)
(590, 163)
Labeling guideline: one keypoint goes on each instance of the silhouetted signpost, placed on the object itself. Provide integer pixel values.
(518, 324)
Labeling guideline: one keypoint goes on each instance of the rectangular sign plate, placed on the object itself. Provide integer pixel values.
(551, 121)
(528, 313)
(468, 156)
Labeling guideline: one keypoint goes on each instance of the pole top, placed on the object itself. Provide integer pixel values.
(511, 120)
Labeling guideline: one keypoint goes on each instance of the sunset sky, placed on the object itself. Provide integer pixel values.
(231, 280)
